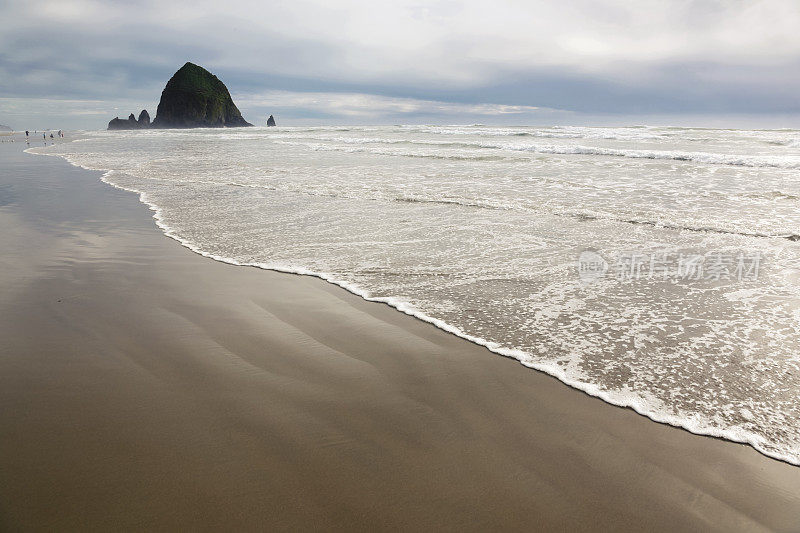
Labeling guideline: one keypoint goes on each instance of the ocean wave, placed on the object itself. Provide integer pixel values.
(790, 143)
(356, 150)
(771, 195)
(708, 158)
(681, 227)
(788, 162)
(594, 216)
(545, 133)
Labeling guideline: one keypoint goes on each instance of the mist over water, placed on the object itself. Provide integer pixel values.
(479, 229)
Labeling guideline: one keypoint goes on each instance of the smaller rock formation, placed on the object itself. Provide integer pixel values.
(131, 124)
(144, 119)
(119, 124)
(271, 121)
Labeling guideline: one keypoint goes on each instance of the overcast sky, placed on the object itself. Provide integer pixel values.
(79, 63)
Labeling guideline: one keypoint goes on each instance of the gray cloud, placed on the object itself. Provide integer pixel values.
(612, 57)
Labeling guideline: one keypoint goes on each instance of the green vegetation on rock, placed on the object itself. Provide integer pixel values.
(195, 98)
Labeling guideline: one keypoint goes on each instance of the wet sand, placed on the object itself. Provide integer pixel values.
(145, 387)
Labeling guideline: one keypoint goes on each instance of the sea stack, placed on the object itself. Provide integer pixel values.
(119, 124)
(271, 121)
(144, 119)
(195, 98)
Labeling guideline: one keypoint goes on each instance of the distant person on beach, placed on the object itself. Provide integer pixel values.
(27, 133)
(51, 135)
(60, 133)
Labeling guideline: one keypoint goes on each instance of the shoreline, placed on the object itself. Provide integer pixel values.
(614, 399)
(147, 386)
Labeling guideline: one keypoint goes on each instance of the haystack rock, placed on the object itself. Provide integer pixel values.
(195, 98)
(271, 121)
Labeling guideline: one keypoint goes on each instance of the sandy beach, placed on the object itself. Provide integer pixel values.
(144, 387)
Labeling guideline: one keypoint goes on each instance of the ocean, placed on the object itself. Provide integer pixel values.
(656, 268)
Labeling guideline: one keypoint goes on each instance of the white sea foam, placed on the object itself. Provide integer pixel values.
(482, 244)
(345, 144)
